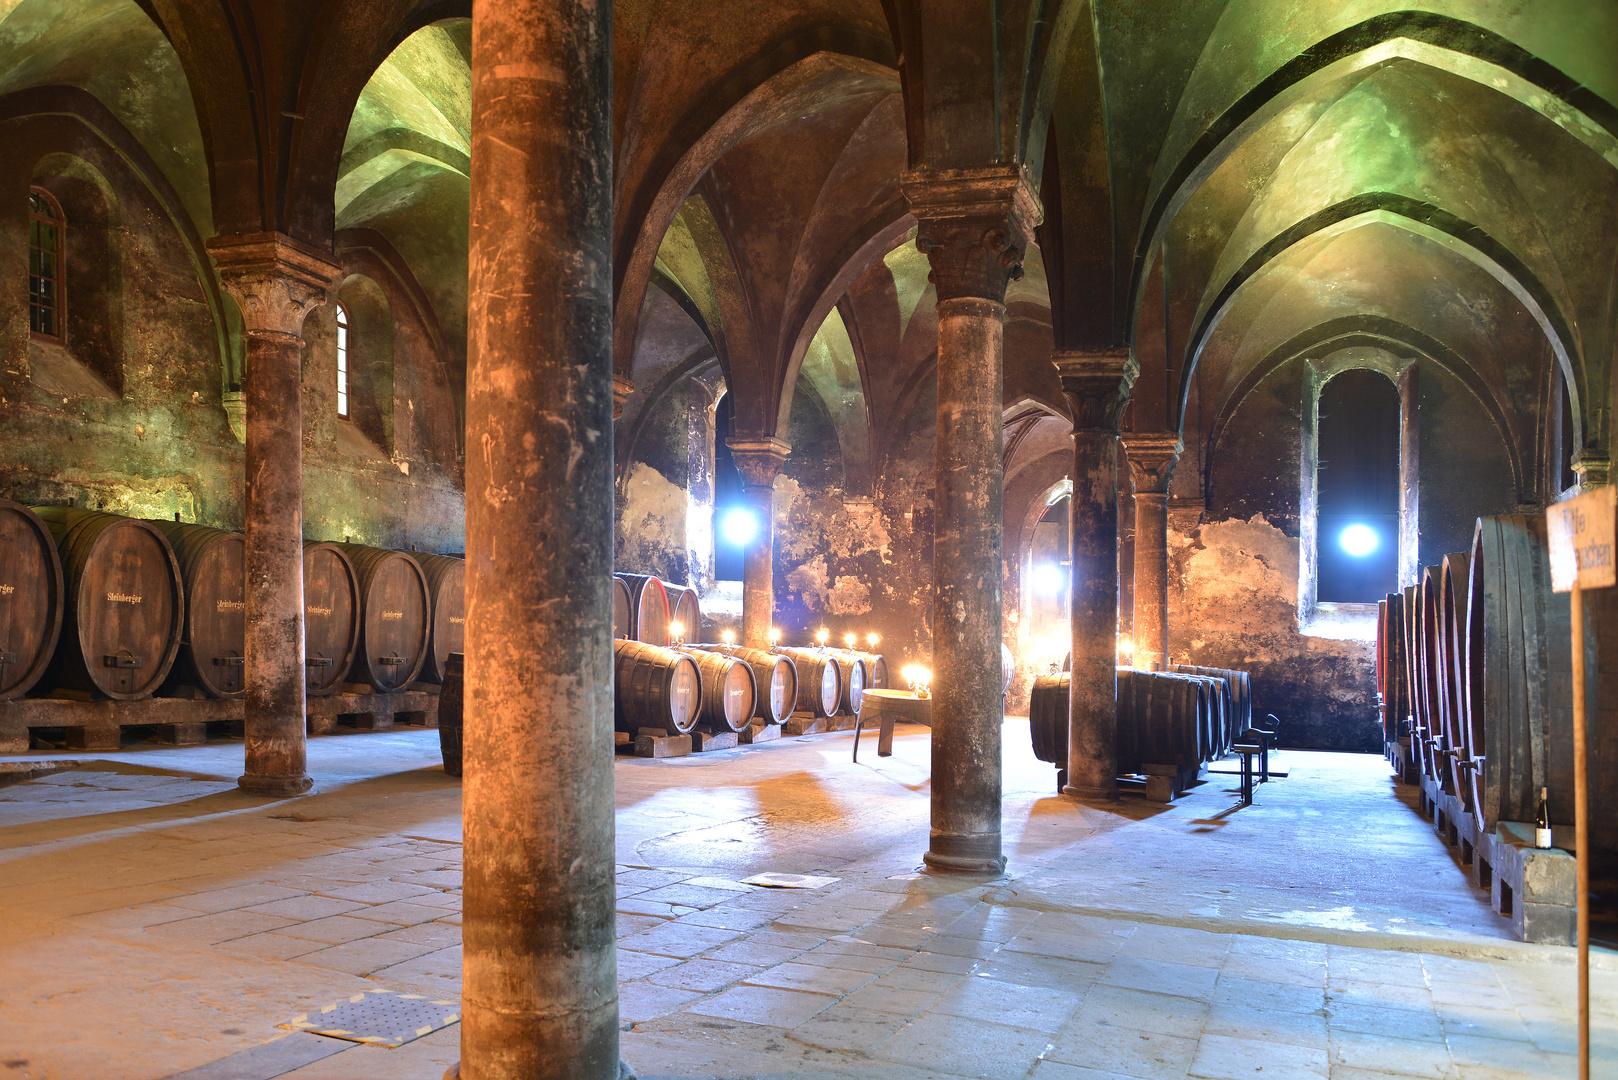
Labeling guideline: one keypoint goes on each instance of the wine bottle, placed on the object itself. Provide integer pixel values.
(1542, 822)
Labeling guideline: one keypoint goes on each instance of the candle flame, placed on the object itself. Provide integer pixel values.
(728, 636)
(850, 640)
(873, 640)
(822, 635)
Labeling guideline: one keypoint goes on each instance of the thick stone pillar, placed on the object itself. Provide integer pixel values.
(1152, 457)
(276, 281)
(973, 226)
(1097, 385)
(759, 461)
(540, 997)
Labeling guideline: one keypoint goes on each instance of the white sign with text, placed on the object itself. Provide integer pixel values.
(1581, 534)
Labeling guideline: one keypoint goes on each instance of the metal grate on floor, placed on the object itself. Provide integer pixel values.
(379, 1017)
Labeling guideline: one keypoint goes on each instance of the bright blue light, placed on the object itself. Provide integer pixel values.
(738, 526)
(1049, 580)
(1359, 540)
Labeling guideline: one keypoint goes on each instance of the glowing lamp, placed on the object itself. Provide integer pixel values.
(1049, 579)
(918, 678)
(738, 526)
(775, 635)
(873, 640)
(1126, 648)
(1359, 540)
(822, 636)
(851, 640)
(677, 631)
(728, 637)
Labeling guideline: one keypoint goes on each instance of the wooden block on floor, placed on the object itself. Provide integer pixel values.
(13, 737)
(622, 738)
(1160, 788)
(102, 736)
(805, 724)
(761, 732)
(661, 745)
(712, 740)
(190, 733)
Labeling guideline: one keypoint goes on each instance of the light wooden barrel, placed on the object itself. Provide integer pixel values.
(446, 589)
(331, 617)
(684, 609)
(213, 565)
(655, 687)
(729, 690)
(649, 611)
(775, 675)
(394, 607)
(31, 599)
(820, 680)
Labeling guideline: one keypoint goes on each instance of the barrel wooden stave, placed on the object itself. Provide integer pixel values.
(331, 617)
(32, 599)
(655, 687)
(446, 590)
(124, 610)
(213, 647)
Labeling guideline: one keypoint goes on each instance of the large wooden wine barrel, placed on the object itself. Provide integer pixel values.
(213, 566)
(729, 690)
(1390, 663)
(1048, 702)
(1453, 579)
(452, 712)
(621, 621)
(685, 610)
(331, 617)
(856, 674)
(1163, 719)
(820, 680)
(31, 599)
(775, 675)
(649, 611)
(1432, 675)
(125, 603)
(1235, 700)
(446, 589)
(655, 687)
(394, 607)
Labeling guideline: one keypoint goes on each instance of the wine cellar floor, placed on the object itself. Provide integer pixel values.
(157, 919)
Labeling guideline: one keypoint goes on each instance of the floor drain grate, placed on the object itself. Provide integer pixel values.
(380, 1017)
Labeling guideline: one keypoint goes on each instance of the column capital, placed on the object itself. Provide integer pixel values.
(1152, 457)
(759, 460)
(275, 280)
(622, 387)
(973, 225)
(1097, 383)
(1593, 469)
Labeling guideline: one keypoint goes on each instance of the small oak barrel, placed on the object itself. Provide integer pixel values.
(125, 604)
(393, 618)
(649, 612)
(654, 687)
(729, 690)
(30, 598)
(446, 588)
(820, 680)
(1047, 717)
(771, 670)
(621, 621)
(684, 609)
(451, 709)
(213, 565)
(331, 617)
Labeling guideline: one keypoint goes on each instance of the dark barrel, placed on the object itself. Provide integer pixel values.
(125, 603)
(729, 690)
(820, 680)
(213, 565)
(775, 675)
(621, 621)
(451, 710)
(649, 612)
(655, 687)
(31, 598)
(685, 610)
(446, 588)
(1047, 717)
(331, 616)
(393, 618)
(1391, 665)
(1453, 579)
(1239, 716)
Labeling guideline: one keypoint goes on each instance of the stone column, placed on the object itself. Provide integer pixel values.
(1097, 385)
(276, 281)
(1152, 457)
(759, 461)
(540, 997)
(973, 226)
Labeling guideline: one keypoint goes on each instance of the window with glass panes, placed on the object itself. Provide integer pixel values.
(46, 230)
(342, 360)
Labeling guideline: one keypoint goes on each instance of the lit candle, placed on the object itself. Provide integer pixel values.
(873, 640)
(850, 640)
(677, 632)
(728, 636)
(822, 636)
(775, 635)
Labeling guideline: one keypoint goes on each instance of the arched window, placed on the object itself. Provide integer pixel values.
(734, 526)
(47, 300)
(1050, 576)
(342, 361)
(1357, 485)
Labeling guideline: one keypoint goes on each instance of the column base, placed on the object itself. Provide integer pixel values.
(624, 1071)
(279, 787)
(948, 864)
(1092, 794)
(973, 854)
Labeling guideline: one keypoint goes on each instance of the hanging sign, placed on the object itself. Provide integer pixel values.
(1582, 541)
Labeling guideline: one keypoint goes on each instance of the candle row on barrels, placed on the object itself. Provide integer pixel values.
(728, 687)
(123, 608)
(1474, 668)
(1186, 717)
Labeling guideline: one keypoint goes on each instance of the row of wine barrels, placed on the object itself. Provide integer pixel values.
(1239, 697)
(820, 681)
(649, 610)
(446, 592)
(775, 675)
(394, 613)
(729, 690)
(655, 687)
(213, 569)
(31, 599)
(1163, 718)
(331, 617)
(124, 604)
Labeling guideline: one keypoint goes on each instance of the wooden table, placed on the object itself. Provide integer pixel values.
(890, 706)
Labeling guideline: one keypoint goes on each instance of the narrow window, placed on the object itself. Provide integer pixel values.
(47, 303)
(1357, 478)
(735, 525)
(342, 361)
(1050, 583)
